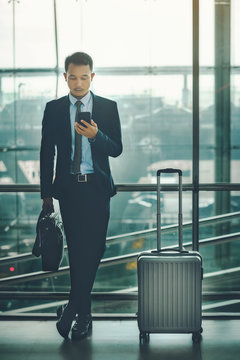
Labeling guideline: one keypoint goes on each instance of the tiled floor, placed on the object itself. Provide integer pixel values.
(115, 340)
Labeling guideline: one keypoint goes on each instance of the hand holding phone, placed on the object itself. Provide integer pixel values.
(86, 116)
(88, 131)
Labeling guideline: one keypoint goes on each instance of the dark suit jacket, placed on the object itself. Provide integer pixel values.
(56, 135)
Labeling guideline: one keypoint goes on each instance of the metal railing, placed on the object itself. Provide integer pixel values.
(117, 260)
(124, 295)
(133, 187)
(135, 235)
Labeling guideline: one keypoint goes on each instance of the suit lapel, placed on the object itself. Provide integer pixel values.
(65, 120)
(96, 108)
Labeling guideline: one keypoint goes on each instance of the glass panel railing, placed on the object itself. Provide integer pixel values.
(118, 274)
(124, 244)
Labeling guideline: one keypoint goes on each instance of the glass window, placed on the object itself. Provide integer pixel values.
(133, 35)
(142, 51)
(7, 111)
(206, 27)
(119, 39)
(35, 42)
(219, 92)
(235, 31)
(20, 121)
(6, 35)
(223, 254)
(170, 33)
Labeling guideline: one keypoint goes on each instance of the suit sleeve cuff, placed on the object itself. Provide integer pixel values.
(92, 140)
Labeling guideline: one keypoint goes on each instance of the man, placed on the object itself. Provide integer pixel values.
(82, 183)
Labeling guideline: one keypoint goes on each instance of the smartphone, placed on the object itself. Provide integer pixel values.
(86, 116)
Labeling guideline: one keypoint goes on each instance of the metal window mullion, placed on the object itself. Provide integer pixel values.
(56, 44)
(195, 132)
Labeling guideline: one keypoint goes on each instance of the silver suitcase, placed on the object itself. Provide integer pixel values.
(169, 284)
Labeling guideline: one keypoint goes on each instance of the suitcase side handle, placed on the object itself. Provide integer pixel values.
(169, 171)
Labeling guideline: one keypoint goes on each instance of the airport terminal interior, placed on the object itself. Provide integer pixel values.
(173, 67)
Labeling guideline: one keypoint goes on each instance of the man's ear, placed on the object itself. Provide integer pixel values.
(92, 76)
(65, 76)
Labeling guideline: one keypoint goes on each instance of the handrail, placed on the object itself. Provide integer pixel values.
(111, 261)
(133, 187)
(128, 236)
(110, 295)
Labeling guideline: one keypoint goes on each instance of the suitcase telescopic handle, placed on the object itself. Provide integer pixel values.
(169, 171)
(180, 241)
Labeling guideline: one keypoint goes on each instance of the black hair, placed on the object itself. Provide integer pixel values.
(79, 58)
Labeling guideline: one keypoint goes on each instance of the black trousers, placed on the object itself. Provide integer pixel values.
(85, 215)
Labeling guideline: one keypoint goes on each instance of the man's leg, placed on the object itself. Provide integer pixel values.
(85, 213)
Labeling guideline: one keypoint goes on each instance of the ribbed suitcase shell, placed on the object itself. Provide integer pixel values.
(170, 283)
(170, 293)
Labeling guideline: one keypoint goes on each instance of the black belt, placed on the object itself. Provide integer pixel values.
(83, 178)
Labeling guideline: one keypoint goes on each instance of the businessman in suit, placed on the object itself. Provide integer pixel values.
(81, 180)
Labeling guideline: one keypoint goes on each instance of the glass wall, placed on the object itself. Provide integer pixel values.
(134, 65)
(142, 51)
(220, 143)
(219, 92)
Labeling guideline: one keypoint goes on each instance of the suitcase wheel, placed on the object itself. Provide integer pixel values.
(144, 338)
(196, 336)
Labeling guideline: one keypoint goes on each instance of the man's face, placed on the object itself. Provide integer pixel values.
(78, 78)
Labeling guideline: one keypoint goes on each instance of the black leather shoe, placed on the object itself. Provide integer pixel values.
(82, 327)
(64, 323)
(60, 310)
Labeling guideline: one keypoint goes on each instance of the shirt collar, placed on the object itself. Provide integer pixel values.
(84, 100)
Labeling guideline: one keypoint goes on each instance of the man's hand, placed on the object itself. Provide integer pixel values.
(90, 131)
(47, 205)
